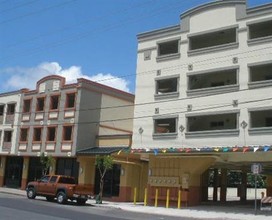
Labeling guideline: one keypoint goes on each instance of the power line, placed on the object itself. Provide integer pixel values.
(37, 12)
(150, 116)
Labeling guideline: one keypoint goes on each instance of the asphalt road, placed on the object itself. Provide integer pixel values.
(20, 208)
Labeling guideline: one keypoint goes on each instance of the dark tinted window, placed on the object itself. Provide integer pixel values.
(67, 180)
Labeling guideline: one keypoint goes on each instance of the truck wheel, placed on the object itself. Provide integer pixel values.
(81, 201)
(61, 198)
(50, 198)
(31, 194)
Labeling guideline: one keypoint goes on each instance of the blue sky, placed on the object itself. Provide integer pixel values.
(95, 39)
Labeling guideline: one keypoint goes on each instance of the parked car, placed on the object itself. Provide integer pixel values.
(58, 186)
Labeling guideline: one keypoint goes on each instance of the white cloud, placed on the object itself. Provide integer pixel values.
(27, 77)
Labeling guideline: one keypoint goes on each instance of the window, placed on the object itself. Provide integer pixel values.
(167, 125)
(2, 107)
(40, 104)
(51, 133)
(67, 133)
(168, 48)
(67, 180)
(26, 108)
(260, 30)
(214, 79)
(24, 134)
(7, 136)
(70, 100)
(212, 39)
(166, 86)
(260, 72)
(37, 134)
(45, 179)
(261, 118)
(53, 179)
(54, 102)
(211, 122)
(11, 109)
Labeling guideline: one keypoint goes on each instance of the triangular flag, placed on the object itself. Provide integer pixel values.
(216, 149)
(119, 152)
(245, 149)
(225, 149)
(255, 149)
(164, 150)
(235, 149)
(197, 149)
(266, 148)
(188, 150)
(156, 151)
(147, 149)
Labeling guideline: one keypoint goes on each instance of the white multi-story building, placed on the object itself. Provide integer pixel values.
(204, 99)
(206, 81)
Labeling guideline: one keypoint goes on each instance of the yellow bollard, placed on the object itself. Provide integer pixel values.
(179, 199)
(156, 198)
(135, 195)
(145, 197)
(167, 198)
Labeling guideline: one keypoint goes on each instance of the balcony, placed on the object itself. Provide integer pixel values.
(260, 32)
(260, 75)
(212, 125)
(168, 50)
(213, 82)
(213, 41)
(260, 121)
(167, 88)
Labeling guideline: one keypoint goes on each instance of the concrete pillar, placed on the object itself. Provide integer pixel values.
(269, 185)
(25, 173)
(223, 183)
(205, 185)
(2, 170)
(215, 184)
(243, 189)
(86, 174)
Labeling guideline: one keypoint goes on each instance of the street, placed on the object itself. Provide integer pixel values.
(17, 208)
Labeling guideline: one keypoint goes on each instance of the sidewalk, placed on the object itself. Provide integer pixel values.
(231, 211)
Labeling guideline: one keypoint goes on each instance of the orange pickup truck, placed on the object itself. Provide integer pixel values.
(60, 187)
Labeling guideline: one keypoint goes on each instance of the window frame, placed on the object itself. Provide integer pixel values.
(157, 135)
(169, 56)
(24, 106)
(37, 103)
(48, 133)
(34, 134)
(27, 133)
(64, 133)
(51, 102)
(67, 100)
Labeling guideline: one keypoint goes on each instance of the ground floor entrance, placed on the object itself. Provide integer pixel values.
(13, 172)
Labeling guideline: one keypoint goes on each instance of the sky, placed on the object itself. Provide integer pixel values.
(93, 39)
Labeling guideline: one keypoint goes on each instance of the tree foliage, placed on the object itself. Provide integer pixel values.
(103, 164)
(47, 162)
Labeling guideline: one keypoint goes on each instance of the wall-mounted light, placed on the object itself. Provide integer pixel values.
(122, 171)
(81, 170)
(149, 172)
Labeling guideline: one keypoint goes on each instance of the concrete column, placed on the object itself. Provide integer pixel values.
(243, 189)
(86, 170)
(205, 185)
(2, 170)
(215, 184)
(223, 188)
(269, 185)
(25, 173)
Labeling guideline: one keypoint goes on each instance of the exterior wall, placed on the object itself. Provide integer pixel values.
(177, 173)
(88, 118)
(200, 21)
(6, 98)
(114, 109)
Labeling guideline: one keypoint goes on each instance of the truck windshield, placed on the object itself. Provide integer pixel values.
(67, 180)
